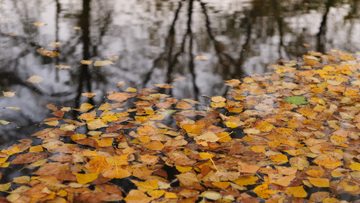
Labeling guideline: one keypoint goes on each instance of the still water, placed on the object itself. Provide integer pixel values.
(193, 44)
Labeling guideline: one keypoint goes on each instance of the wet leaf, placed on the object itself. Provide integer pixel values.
(86, 178)
(298, 100)
(187, 179)
(4, 122)
(297, 191)
(319, 182)
(9, 94)
(246, 180)
(136, 196)
(212, 195)
(5, 187)
(102, 63)
(35, 79)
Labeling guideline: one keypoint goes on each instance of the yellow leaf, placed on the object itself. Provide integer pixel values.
(281, 180)
(154, 145)
(183, 169)
(170, 195)
(21, 179)
(137, 196)
(156, 193)
(297, 191)
(224, 137)
(37, 148)
(105, 142)
(253, 131)
(116, 172)
(5, 187)
(118, 160)
(148, 185)
(217, 104)
(207, 137)
(131, 89)
(263, 191)
(246, 180)
(11, 150)
(231, 124)
(86, 178)
(88, 94)
(355, 166)
(258, 149)
(205, 155)
(9, 94)
(86, 62)
(338, 140)
(279, 158)
(96, 124)
(5, 165)
(102, 63)
(52, 122)
(3, 159)
(119, 96)
(319, 182)
(62, 193)
(4, 122)
(315, 172)
(39, 24)
(339, 172)
(85, 107)
(264, 126)
(109, 118)
(68, 127)
(327, 161)
(248, 168)
(218, 99)
(187, 179)
(330, 200)
(221, 185)
(212, 195)
(76, 137)
(35, 79)
(193, 128)
(299, 162)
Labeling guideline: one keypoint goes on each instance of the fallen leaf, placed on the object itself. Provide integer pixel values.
(137, 196)
(297, 191)
(102, 63)
(35, 79)
(9, 94)
(86, 177)
(298, 100)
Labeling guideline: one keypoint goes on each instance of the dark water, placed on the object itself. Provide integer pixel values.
(192, 44)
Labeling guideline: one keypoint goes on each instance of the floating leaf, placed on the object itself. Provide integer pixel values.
(9, 94)
(4, 122)
(39, 24)
(298, 100)
(136, 196)
(187, 179)
(102, 63)
(212, 195)
(319, 182)
(246, 180)
(35, 79)
(86, 178)
(297, 191)
(5, 187)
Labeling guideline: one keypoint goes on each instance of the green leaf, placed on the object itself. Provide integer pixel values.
(298, 100)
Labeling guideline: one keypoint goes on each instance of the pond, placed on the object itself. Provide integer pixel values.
(192, 44)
